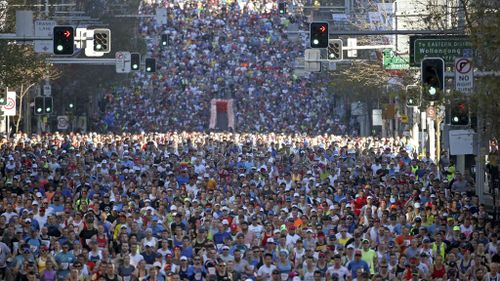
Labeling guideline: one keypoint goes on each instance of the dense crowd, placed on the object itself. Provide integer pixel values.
(222, 49)
(224, 206)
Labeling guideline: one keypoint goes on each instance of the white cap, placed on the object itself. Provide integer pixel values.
(225, 222)
(173, 208)
(157, 264)
(417, 205)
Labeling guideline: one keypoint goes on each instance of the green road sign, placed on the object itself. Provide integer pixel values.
(446, 47)
(393, 61)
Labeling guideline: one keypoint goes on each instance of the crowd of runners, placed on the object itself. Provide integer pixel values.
(222, 206)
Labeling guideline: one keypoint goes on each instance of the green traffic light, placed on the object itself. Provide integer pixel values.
(432, 91)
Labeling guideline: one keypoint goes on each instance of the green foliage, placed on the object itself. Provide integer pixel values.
(19, 64)
(480, 20)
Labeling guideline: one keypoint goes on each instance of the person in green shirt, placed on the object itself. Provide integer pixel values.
(369, 255)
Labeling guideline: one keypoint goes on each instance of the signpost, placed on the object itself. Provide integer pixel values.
(123, 62)
(62, 122)
(393, 61)
(10, 108)
(161, 16)
(446, 47)
(44, 28)
(464, 75)
(311, 57)
(47, 90)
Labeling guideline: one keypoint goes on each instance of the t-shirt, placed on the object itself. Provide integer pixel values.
(266, 271)
(355, 265)
(64, 260)
(342, 272)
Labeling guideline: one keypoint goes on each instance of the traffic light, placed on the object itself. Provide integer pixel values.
(334, 49)
(135, 61)
(410, 101)
(165, 40)
(47, 105)
(3, 95)
(71, 107)
(459, 113)
(432, 78)
(39, 108)
(282, 8)
(318, 35)
(64, 40)
(412, 95)
(102, 40)
(150, 65)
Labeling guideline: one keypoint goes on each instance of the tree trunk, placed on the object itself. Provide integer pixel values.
(22, 93)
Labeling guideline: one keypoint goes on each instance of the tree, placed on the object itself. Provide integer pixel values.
(20, 67)
(480, 21)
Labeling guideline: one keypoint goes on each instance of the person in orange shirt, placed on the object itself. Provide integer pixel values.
(404, 240)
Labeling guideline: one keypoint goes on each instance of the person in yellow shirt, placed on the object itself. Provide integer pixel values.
(343, 237)
(369, 255)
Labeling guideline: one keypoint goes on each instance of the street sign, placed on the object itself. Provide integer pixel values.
(62, 122)
(47, 90)
(81, 37)
(161, 16)
(351, 43)
(393, 61)
(44, 28)
(446, 47)
(10, 108)
(311, 57)
(431, 112)
(461, 142)
(377, 117)
(123, 62)
(464, 75)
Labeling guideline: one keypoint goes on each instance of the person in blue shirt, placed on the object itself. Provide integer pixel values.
(156, 228)
(57, 206)
(221, 234)
(183, 178)
(357, 263)
(64, 259)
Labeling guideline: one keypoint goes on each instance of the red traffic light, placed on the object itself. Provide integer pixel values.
(67, 33)
(461, 106)
(322, 28)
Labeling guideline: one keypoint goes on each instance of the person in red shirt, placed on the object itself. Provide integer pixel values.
(403, 241)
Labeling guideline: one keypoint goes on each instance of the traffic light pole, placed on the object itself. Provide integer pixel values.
(58, 60)
(387, 32)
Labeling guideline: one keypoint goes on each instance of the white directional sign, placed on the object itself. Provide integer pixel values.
(123, 62)
(161, 16)
(464, 75)
(10, 108)
(47, 90)
(44, 28)
(311, 60)
(352, 42)
(461, 142)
